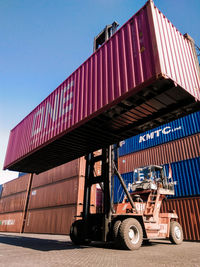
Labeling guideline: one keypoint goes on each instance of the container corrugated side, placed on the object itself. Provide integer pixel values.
(177, 129)
(12, 203)
(175, 54)
(80, 196)
(16, 185)
(11, 222)
(182, 149)
(188, 211)
(67, 170)
(118, 190)
(186, 173)
(95, 95)
(61, 193)
(50, 220)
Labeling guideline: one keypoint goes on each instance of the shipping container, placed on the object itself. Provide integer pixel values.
(188, 210)
(21, 174)
(68, 170)
(60, 193)
(1, 188)
(177, 129)
(50, 220)
(185, 173)
(12, 203)
(80, 196)
(118, 189)
(11, 222)
(144, 75)
(99, 197)
(16, 186)
(181, 149)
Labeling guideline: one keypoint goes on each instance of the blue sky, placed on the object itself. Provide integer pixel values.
(43, 41)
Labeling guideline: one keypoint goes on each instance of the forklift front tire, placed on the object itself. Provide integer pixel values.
(175, 233)
(76, 233)
(130, 234)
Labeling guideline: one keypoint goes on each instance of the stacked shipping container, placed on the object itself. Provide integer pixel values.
(178, 144)
(56, 197)
(12, 204)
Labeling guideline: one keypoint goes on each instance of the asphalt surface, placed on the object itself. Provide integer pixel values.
(54, 250)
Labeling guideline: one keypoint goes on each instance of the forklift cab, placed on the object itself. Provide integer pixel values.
(151, 177)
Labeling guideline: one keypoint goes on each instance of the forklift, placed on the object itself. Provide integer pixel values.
(138, 218)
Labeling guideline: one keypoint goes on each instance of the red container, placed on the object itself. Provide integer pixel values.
(178, 150)
(188, 210)
(147, 58)
(16, 185)
(12, 203)
(68, 170)
(50, 221)
(62, 193)
(11, 222)
(81, 197)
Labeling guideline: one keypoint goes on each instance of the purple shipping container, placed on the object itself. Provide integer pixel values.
(144, 75)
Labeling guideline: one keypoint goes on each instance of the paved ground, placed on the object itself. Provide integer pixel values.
(50, 250)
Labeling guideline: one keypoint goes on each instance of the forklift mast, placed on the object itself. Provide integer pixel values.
(109, 159)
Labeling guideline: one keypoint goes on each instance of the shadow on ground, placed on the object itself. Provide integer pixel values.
(49, 245)
(38, 243)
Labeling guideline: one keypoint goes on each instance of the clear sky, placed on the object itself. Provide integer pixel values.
(43, 41)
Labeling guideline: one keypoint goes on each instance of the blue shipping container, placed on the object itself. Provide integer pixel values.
(177, 129)
(118, 190)
(186, 173)
(1, 188)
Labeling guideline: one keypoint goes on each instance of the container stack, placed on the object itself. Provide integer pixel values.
(54, 200)
(175, 145)
(12, 204)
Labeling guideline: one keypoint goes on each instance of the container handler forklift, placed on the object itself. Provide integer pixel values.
(137, 218)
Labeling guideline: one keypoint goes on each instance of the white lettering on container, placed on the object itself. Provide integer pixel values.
(157, 133)
(51, 112)
(7, 222)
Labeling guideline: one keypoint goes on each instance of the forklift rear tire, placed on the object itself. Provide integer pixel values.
(76, 232)
(130, 234)
(175, 233)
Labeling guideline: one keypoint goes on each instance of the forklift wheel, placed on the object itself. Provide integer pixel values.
(76, 231)
(116, 229)
(175, 233)
(130, 234)
(116, 233)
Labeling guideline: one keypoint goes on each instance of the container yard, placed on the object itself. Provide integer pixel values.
(113, 153)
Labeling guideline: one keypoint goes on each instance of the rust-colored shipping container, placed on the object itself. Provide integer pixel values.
(65, 192)
(178, 150)
(11, 222)
(81, 197)
(188, 210)
(68, 170)
(12, 203)
(16, 185)
(51, 220)
(143, 75)
(60, 193)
